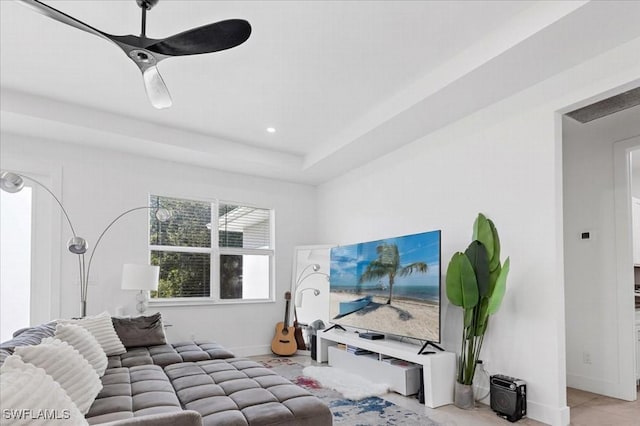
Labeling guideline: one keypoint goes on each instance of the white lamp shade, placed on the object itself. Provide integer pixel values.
(140, 277)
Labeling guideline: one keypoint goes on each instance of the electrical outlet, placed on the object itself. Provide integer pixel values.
(586, 358)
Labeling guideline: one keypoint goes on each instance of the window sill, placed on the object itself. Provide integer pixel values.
(204, 302)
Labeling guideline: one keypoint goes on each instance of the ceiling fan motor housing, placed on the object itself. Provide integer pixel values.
(147, 4)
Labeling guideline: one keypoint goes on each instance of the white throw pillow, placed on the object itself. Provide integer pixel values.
(102, 329)
(85, 343)
(29, 392)
(67, 367)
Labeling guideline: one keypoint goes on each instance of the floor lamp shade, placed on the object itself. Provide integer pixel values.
(140, 277)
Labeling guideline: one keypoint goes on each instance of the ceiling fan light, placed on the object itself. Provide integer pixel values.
(157, 91)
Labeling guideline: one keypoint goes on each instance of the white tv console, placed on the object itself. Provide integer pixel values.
(439, 368)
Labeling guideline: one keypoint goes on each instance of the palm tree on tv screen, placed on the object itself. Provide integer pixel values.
(388, 263)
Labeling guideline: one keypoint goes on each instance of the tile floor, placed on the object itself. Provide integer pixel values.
(587, 409)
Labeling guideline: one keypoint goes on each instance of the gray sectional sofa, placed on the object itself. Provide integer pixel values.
(190, 383)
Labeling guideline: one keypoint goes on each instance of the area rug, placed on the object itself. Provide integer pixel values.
(351, 386)
(373, 411)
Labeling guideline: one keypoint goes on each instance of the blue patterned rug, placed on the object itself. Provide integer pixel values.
(369, 411)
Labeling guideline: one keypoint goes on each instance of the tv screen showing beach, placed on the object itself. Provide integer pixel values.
(389, 286)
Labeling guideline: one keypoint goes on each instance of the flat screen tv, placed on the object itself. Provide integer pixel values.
(390, 286)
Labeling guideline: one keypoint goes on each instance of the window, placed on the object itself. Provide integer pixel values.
(214, 250)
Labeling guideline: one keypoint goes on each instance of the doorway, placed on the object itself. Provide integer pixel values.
(15, 258)
(635, 235)
(599, 300)
(30, 234)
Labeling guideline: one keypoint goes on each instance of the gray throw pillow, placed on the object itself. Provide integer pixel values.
(29, 336)
(140, 331)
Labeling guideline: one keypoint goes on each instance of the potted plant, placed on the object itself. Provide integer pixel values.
(476, 281)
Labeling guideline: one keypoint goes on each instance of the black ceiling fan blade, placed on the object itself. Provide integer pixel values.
(146, 53)
(64, 18)
(205, 39)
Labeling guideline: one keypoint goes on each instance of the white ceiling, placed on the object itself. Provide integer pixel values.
(343, 82)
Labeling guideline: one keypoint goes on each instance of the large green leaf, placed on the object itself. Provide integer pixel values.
(461, 284)
(482, 316)
(482, 232)
(498, 292)
(477, 254)
(494, 262)
(493, 278)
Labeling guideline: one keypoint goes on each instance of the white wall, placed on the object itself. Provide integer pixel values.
(504, 161)
(590, 265)
(97, 185)
(635, 174)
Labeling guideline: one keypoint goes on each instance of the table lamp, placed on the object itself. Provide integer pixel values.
(143, 278)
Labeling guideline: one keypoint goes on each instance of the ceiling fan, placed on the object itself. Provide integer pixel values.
(146, 53)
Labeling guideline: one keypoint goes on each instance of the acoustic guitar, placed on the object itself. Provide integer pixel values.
(284, 342)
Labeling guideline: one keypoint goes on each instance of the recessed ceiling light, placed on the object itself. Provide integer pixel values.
(271, 129)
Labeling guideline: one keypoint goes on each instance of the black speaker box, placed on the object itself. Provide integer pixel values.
(508, 397)
(372, 336)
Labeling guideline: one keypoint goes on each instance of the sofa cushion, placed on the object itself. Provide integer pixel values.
(133, 392)
(193, 351)
(177, 418)
(67, 367)
(164, 355)
(102, 329)
(30, 389)
(85, 343)
(140, 331)
(241, 392)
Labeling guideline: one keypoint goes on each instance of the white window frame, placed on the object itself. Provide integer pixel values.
(215, 251)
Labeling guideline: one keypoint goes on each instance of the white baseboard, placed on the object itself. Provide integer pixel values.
(244, 351)
(601, 387)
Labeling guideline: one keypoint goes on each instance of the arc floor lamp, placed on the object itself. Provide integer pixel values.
(14, 182)
(301, 277)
